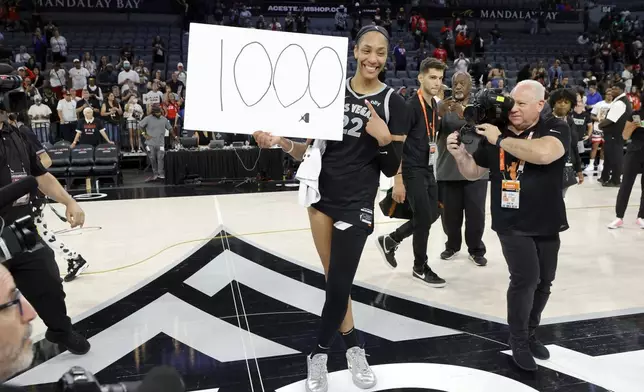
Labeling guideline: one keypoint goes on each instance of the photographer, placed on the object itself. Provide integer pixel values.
(526, 163)
(36, 273)
(415, 181)
(458, 195)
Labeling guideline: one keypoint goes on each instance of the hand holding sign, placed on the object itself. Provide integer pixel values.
(377, 127)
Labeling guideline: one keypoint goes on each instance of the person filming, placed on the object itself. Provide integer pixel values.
(526, 162)
(36, 273)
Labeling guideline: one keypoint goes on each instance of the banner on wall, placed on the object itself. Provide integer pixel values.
(499, 14)
(143, 6)
(310, 9)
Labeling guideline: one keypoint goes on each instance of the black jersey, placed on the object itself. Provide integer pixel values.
(350, 174)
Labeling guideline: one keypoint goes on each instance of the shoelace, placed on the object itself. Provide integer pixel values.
(317, 368)
(360, 360)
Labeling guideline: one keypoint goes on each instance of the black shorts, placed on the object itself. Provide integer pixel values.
(359, 216)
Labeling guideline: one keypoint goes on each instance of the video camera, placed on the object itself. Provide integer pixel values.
(159, 379)
(489, 106)
(12, 100)
(22, 235)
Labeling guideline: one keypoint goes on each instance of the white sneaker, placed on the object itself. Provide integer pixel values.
(600, 168)
(616, 224)
(362, 375)
(316, 379)
(589, 168)
(640, 222)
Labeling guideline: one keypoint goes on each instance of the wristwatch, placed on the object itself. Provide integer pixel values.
(498, 140)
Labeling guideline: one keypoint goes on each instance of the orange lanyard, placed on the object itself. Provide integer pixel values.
(432, 136)
(502, 161)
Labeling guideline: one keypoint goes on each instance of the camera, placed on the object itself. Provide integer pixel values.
(490, 106)
(78, 379)
(22, 235)
(12, 100)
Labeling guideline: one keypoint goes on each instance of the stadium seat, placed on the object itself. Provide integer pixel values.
(60, 162)
(106, 163)
(82, 161)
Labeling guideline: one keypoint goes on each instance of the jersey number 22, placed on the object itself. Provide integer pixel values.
(356, 125)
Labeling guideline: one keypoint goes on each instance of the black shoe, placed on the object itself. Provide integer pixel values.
(448, 254)
(387, 248)
(481, 261)
(537, 348)
(75, 267)
(610, 184)
(73, 342)
(521, 355)
(429, 277)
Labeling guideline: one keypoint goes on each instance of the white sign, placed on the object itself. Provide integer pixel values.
(245, 80)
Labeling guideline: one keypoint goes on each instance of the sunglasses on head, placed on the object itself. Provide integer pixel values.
(15, 301)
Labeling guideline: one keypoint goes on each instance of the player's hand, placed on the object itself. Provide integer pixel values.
(580, 176)
(377, 127)
(491, 132)
(266, 139)
(454, 146)
(75, 215)
(399, 193)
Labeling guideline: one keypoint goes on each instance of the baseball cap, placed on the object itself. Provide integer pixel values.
(76, 61)
(179, 65)
(21, 68)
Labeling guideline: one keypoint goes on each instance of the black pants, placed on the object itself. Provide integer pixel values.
(633, 165)
(346, 249)
(37, 276)
(68, 131)
(532, 262)
(422, 195)
(613, 159)
(468, 196)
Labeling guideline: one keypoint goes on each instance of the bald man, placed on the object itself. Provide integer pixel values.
(16, 314)
(525, 161)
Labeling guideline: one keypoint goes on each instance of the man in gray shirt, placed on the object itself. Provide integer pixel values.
(457, 194)
(155, 126)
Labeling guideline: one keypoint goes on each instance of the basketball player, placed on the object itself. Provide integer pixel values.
(375, 122)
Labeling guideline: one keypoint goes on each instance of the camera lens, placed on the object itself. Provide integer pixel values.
(473, 113)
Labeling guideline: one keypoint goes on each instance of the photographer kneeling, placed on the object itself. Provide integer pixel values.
(36, 273)
(526, 163)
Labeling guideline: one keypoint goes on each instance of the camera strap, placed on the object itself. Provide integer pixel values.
(521, 164)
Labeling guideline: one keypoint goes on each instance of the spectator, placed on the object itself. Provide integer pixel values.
(154, 96)
(24, 73)
(182, 75)
(37, 80)
(158, 51)
(627, 75)
(89, 64)
(461, 64)
(440, 53)
(583, 39)
(58, 79)
(58, 45)
(133, 114)
(401, 18)
(88, 101)
(244, 16)
(144, 75)
(634, 98)
(275, 25)
(31, 91)
(289, 23)
(111, 113)
(67, 113)
(102, 64)
(79, 77)
(386, 21)
(176, 85)
(422, 54)
(40, 119)
(22, 56)
(89, 130)
(128, 90)
(261, 23)
(565, 83)
(555, 72)
(171, 111)
(524, 73)
(462, 27)
(419, 30)
(128, 74)
(495, 33)
(593, 96)
(49, 30)
(40, 48)
(94, 90)
(302, 23)
(478, 45)
(341, 18)
(400, 56)
(463, 44)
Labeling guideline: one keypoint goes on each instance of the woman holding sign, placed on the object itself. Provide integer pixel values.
(341, 218)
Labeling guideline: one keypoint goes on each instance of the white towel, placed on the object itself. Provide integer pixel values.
(309, 172)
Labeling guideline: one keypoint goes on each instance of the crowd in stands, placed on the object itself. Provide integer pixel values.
(122, 90)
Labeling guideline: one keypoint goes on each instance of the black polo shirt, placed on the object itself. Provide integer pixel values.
(416, 148)
(17, 155)
(90, 131)
(637, 140)
(541, 206)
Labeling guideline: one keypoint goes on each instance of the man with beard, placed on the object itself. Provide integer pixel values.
(415, 181)
(457, 193)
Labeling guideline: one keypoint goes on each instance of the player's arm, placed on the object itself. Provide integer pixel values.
(391, 135)
(295, 149)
